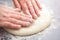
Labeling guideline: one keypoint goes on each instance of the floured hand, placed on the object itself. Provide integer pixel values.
(11, 18)
(30, 7)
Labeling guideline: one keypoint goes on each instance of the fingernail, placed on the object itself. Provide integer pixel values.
(32, 20)
(28, 24)
(17, 27)
(27, 12)
(30, 16)
(38, 13)
(35, 17)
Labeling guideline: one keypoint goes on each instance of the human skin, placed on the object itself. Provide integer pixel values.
(12, 18)
(30, 7)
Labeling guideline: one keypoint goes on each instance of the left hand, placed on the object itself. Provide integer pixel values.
(30, 7)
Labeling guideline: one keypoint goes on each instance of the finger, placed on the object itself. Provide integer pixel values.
(21, 13)
(38, 3)
(36, 7)
(31, 9)
(17, 5)
(25, 15)
(10, 25)
(24, 7)
(13, 11)
(21, 18)
(10, 10)
(18, 22)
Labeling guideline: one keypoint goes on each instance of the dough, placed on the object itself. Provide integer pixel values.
(40, 24)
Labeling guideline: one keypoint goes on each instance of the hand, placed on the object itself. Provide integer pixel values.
(30, 7)
(11, 18)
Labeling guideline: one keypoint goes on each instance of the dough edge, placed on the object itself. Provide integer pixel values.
(44, 21)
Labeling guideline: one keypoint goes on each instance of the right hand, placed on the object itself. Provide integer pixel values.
(11, 18)
(29, 7)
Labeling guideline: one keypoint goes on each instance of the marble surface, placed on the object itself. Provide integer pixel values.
(51, 33)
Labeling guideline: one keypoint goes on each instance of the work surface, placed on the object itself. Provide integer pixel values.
(51, 33)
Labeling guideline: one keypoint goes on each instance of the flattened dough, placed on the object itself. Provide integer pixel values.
(40, 24)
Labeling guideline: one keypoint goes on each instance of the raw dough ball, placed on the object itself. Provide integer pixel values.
(40, 24)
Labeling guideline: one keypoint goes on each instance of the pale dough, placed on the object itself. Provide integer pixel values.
(40, 24)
